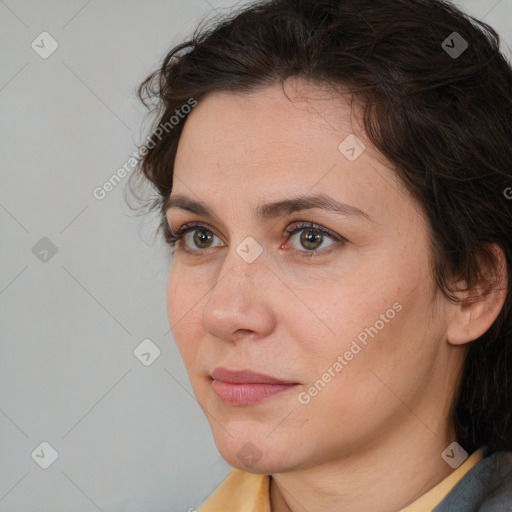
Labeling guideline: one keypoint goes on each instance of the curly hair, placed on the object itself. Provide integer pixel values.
(442, 117)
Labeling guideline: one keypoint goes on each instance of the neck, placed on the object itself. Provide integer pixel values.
(387, 478)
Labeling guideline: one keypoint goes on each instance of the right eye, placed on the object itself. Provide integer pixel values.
(195, 235)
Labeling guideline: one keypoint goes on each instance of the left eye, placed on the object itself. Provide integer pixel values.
(311, 238)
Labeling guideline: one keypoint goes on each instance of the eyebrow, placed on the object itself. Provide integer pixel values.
(274, 209)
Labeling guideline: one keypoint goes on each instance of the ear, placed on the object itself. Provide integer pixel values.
(480, 306)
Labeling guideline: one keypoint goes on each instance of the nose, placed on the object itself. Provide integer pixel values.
(240, 303)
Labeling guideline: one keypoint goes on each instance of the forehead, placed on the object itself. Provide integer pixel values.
(265, 143)
(271, 118)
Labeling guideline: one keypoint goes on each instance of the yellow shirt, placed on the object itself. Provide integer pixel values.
(247, 492)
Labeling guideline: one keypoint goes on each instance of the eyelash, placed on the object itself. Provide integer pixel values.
(294, 227)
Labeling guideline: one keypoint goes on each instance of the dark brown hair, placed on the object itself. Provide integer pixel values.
(443, 120)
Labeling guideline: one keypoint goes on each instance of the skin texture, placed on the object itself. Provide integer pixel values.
(373, 436)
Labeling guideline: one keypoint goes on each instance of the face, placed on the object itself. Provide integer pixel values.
(336, 308)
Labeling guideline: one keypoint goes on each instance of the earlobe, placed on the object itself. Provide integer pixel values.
(479, 307)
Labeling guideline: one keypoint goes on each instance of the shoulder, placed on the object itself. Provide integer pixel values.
(485, 488)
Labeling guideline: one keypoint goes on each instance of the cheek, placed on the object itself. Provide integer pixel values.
(371, 318)
(337, 311)
(379, 294)
(184, 313)
(174, 293)
(358, 374)
(185, 289)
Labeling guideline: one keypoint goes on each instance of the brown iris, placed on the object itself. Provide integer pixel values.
(201, 237)
(309, 237)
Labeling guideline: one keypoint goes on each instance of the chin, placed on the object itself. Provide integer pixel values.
(256, 453)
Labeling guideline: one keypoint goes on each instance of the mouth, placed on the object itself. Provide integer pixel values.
(243, 387)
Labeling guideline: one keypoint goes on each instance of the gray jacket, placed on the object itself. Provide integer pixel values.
(485, 488)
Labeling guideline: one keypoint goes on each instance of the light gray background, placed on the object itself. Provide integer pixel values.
(129, 437)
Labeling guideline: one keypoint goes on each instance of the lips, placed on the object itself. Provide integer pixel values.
(243, 387)
(245, 377)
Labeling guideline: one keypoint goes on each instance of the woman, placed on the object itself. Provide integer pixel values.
(333, 176)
